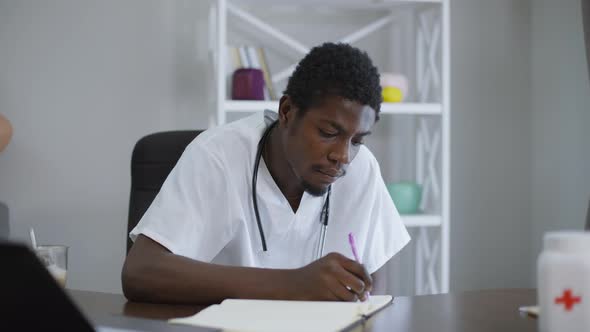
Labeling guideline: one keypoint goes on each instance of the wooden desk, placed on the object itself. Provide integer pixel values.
(114, 310)
(482, 311)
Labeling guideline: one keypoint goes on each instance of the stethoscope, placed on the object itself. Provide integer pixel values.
(325, 209)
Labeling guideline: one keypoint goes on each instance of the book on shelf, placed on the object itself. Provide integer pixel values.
(247, 56)
(252, 57)
(267, 78)
(235, 60)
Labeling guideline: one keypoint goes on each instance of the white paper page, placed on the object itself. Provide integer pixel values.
(267, 315)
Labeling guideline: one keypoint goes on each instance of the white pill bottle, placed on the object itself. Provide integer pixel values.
(563, 280)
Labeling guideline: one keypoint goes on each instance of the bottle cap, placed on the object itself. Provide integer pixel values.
(567, 241)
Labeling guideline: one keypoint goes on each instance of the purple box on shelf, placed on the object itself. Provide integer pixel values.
(248, 84)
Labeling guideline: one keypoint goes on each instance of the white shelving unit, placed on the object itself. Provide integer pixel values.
(428, 38)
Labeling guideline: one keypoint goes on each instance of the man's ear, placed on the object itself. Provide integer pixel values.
(287, 111)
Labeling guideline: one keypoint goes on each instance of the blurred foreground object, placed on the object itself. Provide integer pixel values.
(5, 132)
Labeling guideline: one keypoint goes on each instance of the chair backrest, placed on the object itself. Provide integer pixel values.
(4, 224)
(153, 158)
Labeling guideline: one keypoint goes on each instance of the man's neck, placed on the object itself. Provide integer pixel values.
(280, 170)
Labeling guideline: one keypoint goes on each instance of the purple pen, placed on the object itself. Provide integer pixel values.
(353, 247)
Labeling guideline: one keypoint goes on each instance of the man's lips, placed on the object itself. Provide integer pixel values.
(332, 173)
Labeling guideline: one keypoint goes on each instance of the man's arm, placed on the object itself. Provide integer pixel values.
(151, 273)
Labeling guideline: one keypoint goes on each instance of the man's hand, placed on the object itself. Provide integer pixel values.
(153, 274)
(333, 277)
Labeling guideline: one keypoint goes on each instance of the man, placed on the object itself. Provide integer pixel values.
(201, 241)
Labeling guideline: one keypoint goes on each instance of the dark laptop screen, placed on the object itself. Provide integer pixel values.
(31, 299)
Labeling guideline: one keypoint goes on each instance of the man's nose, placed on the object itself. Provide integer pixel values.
(342, 152)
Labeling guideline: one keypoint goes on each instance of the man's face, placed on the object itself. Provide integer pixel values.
(321, 143)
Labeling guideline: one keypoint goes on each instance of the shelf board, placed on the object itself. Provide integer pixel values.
(338, 3)
(411, 108)
(421, 220)
(238, 106)
(250, 105)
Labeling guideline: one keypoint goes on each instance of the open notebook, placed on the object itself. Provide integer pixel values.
(269, 315)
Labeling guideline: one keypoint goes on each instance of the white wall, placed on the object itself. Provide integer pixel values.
(82, 81)
(560, 119)
(490, 144)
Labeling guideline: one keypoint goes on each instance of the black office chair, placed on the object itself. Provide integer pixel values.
(153, 158)
(4, 224)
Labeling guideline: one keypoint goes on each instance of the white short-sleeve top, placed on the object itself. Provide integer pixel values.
(204, 209)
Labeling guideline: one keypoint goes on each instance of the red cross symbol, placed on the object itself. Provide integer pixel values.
(568, 300)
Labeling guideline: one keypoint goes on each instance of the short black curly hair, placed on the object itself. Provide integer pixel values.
(335, 69)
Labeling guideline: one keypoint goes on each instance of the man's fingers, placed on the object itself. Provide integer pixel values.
(360, 272)
(339, 289)
(348, 280)
(352, 282)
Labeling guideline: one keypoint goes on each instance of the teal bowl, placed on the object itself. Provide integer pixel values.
(406, 196)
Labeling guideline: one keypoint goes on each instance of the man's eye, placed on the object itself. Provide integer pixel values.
(328, 133)
(357, 143)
